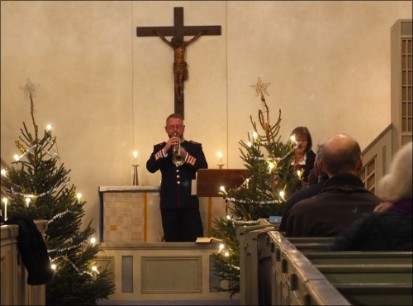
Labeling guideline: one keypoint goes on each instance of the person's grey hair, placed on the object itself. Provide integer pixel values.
(319, 153)
(319, 157)
(397, 184)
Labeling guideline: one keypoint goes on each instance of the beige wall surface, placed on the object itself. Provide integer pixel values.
(107, 92)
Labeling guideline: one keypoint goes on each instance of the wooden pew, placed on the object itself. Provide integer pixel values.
(318, 291)
(305, 244)
(361, 277)
(251, 286)
(356, 257)
(372, 283)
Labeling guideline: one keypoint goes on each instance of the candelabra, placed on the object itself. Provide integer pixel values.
(135, 175)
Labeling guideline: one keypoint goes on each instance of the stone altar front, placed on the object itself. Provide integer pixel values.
(132, 214)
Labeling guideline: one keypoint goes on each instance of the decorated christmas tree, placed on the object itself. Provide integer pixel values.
(37, 186)
(271, 179)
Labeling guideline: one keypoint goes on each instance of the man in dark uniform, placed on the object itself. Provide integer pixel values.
(178, 160)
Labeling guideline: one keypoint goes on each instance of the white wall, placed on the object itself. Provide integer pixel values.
(108, 92)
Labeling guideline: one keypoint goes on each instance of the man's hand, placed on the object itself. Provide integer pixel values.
(173, 140)
(383, 206)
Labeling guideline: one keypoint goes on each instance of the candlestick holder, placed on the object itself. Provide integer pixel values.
(220, 165)
(135, 175)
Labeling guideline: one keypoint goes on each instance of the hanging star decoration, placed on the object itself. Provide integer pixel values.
(260, 88)
(29, 89)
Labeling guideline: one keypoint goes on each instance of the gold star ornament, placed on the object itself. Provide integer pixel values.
(260, 88)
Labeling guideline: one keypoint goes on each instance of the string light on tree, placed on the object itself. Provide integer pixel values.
(282, 194)
(270, 167)
(222, 189)
(39, 188)
(262, 194)
(95, 269)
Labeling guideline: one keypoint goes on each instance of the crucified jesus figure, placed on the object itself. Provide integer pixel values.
(180, 65)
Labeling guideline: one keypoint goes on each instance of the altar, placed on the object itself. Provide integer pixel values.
(132, 213)
(144, 268)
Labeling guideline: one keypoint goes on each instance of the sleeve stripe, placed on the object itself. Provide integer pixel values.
(158, 155)
(191, 160)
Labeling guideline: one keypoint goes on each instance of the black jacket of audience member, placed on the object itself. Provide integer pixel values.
(33, 250)
(342, 201)
(301, 194)
(378, 231)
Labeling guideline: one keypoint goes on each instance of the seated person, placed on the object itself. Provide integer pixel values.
(320, 178)
(304, 156)
(389, 227)
(343, 198)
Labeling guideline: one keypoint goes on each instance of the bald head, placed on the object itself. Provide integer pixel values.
(341, 154)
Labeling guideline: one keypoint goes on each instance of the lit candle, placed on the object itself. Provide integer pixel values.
(5, 208)
(135, 156)
(219, 154)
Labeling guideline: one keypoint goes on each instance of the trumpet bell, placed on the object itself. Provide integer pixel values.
(178, 160)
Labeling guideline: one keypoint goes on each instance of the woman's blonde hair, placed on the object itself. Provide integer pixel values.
(397, 184)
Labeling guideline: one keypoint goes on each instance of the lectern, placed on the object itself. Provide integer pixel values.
(209, 181)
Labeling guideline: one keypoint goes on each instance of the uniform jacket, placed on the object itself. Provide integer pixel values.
(176, 181)
(342, 201)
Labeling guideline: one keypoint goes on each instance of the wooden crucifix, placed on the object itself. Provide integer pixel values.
(178, 44)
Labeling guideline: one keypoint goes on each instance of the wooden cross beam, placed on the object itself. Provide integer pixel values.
(178, 32)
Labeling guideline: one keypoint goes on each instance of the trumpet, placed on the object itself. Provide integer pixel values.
(177, 159)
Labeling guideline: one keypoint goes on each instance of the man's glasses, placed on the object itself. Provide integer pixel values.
(173, 127)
